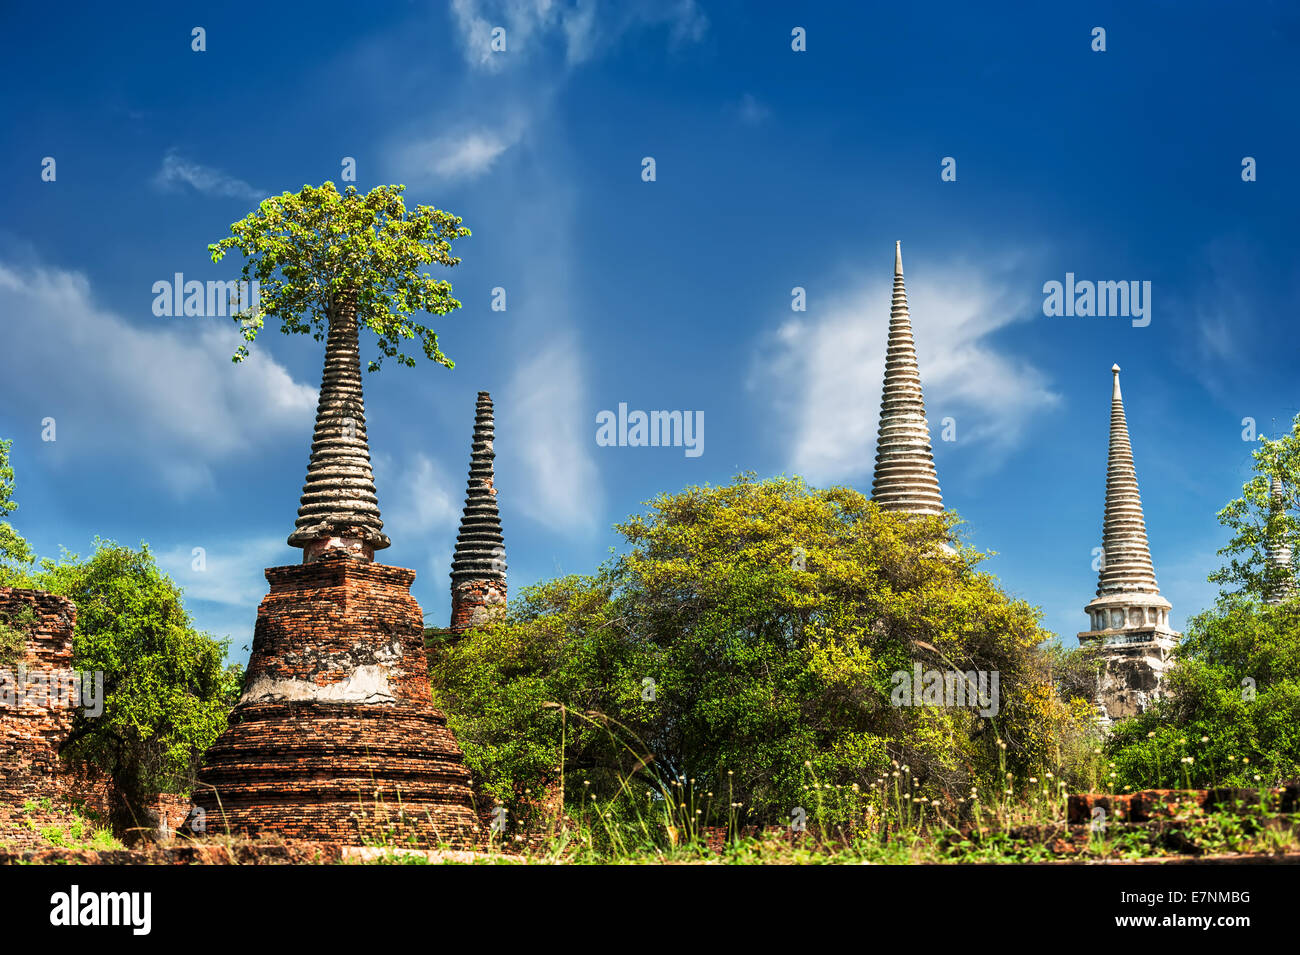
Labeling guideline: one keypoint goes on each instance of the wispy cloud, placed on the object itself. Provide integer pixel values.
(166, 393)
(822, 373)
(1224, 305)
(416, 496)
(544, 415)
(585, 29)
(751, 112)
(177, 172)
(464, 155)
(227, 571)
(545, 41)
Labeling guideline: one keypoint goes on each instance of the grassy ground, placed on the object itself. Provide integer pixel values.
(1014, 829)
(40, 824)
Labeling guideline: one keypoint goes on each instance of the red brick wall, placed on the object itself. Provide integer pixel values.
(31, 731)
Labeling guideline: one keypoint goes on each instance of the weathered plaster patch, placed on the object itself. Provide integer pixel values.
(366, 684)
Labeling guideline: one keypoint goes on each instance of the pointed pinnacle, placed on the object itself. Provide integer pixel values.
(905, 478)
(480, 547)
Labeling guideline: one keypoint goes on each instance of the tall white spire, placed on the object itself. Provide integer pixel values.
(1126, 567)
(1129, 620)
(905, 478)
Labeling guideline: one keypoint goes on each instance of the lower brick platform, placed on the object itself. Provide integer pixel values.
(336, 738)
(345, 772)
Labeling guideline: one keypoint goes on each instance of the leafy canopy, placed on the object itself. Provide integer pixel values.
(747, 640)
(1232, 709)
(15, 554)
(1254, 522)
(1232, 713)
(166, 692)
(311, 250)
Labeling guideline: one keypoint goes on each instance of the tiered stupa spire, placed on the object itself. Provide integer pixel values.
(1129, 619)
(1283, 587)
(339, 508)
(478, 567)
(905, 478)
(1126, 566)
(335, 737)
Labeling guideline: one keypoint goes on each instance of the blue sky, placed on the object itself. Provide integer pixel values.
(774, 169)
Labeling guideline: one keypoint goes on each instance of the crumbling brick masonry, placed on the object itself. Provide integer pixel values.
(31, 731)
(336, 737)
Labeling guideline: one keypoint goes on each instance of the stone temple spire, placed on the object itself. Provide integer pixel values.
(478, 568)
(1126, 566)
(1129, 619)
(339, 509)
(335, 737)
(905, 479)
(1279, 551)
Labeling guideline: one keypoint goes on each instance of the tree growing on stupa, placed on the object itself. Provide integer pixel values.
(327, 264)
(317, 253)
(335, 726)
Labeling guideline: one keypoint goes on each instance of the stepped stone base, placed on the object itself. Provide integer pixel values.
(341, 772)
(336, 737)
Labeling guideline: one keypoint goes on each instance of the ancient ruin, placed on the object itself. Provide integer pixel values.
(336, 737)
(1129, 620)
(32, 728)
(1282, 587)
(905, 478)
(339, 509)
(478, 568)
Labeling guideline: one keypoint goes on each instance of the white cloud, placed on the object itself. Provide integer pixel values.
(232, 569)
(415, 498)
(472, 155)
(543, 415)
(822, 371)
(523, 85)
(586, 28)
(164, 392)
(176, 171)
(465, 155)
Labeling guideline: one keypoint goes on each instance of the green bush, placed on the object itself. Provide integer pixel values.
(166, 691)
(744, 645)
(1232, 716)
(15, 627)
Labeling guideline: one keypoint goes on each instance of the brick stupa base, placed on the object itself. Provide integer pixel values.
(336, 737)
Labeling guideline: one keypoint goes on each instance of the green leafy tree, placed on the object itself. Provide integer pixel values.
(1255, 523)
(166, 691)
(15, 554)
(317, 252)
(747, 640)
(1232, 714)
(1232, 705)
